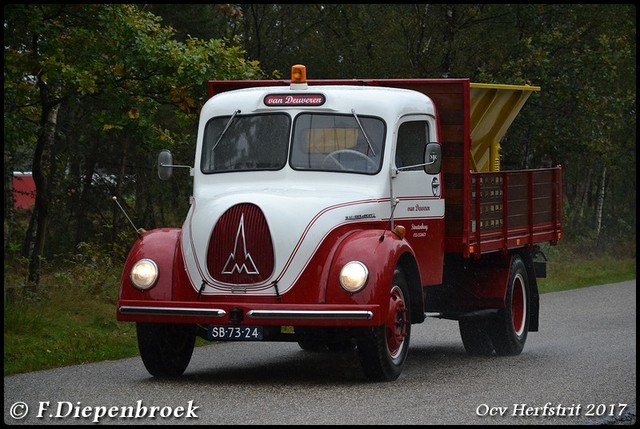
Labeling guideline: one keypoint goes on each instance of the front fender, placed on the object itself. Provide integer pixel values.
(159, 245)
(379, 256)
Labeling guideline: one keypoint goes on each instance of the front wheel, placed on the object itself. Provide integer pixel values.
(383, 350)
(511, 326)
(165, 348)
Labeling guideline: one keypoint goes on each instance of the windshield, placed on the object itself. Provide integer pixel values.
(241, 143)
(337, 143)
(321, 142)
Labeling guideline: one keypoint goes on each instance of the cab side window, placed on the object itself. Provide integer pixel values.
(412, 138)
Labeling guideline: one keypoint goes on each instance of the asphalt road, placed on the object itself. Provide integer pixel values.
(580, 368)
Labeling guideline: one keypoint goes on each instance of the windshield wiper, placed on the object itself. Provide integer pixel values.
(226, 127)
(353, 112)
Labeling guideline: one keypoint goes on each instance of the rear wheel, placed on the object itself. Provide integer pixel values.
(383, 350)
(511, 326)
(165, 348)
(475, 337)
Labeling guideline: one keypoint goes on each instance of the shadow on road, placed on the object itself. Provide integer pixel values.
(303, 367)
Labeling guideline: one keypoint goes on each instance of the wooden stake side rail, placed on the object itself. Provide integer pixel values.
(510, 209)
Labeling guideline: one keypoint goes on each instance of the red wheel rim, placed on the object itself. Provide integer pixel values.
(518, 305)
(396, 322)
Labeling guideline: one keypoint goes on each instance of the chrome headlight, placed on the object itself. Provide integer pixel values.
(353, 276)
(144, 274)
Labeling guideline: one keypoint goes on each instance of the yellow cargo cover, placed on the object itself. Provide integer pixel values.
(493, 109)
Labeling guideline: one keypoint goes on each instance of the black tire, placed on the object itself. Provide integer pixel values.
(165, 348)
(511, 326)
(475, 337)
(383, 350)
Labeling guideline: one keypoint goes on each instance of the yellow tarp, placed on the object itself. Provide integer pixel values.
(493, 109)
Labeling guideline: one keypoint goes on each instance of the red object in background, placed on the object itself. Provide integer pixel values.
(24, 190)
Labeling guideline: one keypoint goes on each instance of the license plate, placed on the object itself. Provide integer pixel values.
(235, 333)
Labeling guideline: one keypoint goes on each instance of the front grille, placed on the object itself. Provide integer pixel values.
(240, 248)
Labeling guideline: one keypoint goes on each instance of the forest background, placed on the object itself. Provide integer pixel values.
(92, 93)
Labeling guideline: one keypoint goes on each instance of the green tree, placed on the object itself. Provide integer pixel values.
(95, 89)
(583, 57)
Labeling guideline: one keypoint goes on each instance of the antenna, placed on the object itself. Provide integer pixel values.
(139, 231)
(393, 209)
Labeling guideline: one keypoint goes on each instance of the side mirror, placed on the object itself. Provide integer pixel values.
(432, 158)
(165, 165)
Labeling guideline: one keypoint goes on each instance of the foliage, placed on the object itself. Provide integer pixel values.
(129, 80)
(121, 87)
(584, 118)
(70, 320)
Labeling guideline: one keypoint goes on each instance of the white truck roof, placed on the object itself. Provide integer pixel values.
(340, 98)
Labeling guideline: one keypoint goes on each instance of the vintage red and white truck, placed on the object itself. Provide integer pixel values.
(339, 213)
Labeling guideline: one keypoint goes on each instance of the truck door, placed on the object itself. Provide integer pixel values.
(420, 207)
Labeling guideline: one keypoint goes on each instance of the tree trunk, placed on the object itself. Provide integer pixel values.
(48, 124)
(585, 194)
(8, 199)
(81, 211)
(600, 202)
(117, 191)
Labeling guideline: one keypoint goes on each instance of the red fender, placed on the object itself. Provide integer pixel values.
(379, 256)
(159, 245)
